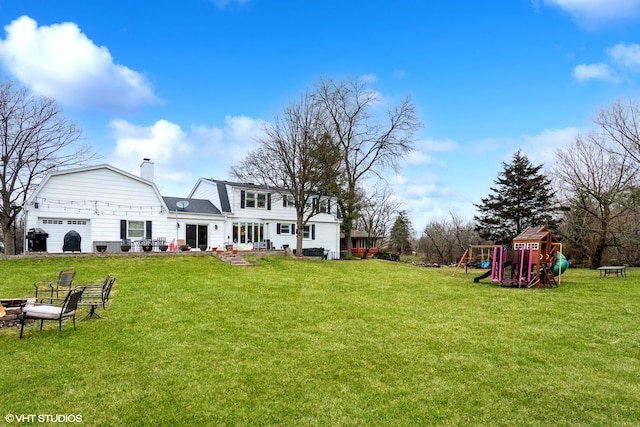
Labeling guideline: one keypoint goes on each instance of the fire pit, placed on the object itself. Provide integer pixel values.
(11, 307)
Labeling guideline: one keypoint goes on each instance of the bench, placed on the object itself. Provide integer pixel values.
(610, 270)
(96, 295)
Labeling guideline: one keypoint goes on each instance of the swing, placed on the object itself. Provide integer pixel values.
(485, 261)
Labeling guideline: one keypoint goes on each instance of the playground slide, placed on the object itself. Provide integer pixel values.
(488, 273)
(482, 276)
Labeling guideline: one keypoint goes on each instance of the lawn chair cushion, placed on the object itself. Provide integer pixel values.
(46, 312)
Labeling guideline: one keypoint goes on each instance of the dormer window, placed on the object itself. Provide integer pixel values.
(255, 199)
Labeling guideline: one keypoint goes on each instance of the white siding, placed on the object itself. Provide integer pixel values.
(327, 226)
(207, 190)
(100, 196)
(103, 196)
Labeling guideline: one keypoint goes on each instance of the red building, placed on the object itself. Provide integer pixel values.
(359, 244)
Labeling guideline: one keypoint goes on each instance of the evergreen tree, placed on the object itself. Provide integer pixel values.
(522, 198)
(401, 234)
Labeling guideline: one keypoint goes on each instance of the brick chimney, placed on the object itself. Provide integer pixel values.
(146, 169)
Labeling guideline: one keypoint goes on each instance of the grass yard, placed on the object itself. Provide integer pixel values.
(189, 340)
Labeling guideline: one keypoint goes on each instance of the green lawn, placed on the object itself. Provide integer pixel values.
(189, 340)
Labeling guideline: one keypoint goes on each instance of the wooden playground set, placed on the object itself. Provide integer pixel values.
(534, 259)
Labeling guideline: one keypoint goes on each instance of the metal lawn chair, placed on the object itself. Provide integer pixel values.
(61, 283)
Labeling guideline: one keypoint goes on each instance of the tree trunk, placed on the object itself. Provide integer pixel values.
(367, 248)
(299, 235)
(596, 258)
(9, 240)
(601, 242)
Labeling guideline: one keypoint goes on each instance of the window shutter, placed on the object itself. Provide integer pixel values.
(284, 201)
(268, 201)
(293, 229)
(278, 228)
(147, 230)
(314, 205)
(242, 197)
(313, 232)
(123, 228)
(328, 206)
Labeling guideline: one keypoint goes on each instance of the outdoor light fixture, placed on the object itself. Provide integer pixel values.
(216, 226)
(36, 205)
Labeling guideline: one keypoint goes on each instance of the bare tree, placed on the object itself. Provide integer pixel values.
(36, 139)
(297, 158)
(620, 122)
(448, 239)
(376, 217)
(597, 183)
(368, 142)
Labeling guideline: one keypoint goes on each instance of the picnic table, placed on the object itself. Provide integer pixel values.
(610, 270)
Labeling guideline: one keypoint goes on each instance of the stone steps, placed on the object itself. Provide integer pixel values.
(231, 258)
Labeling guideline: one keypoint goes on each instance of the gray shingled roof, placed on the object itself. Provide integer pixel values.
(195, 205)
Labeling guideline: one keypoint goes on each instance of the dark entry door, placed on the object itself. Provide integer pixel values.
(196, 235)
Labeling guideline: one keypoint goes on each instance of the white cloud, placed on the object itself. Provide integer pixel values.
(61, 62)
(427, 198)
(163, 142)
(541, 148)
(593, 13)
(424, 150)
(627, 56)
(368, 78)
(177, 155)
(598, 71)
(458, 176)
(624, 60)
(239, 135)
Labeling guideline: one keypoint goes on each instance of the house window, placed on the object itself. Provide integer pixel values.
(282, 228)
(135, 229)
(309, 232)
(252, 199)
(262, 200)
(248, 232)
(52, 221)
(324, 206)
(287, 201)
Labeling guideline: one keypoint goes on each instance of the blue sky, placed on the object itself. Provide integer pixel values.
(189, 84)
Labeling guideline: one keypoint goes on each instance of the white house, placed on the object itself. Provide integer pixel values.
(256, 214)
(105, 205)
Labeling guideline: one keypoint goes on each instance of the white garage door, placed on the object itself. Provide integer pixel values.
(57, 228)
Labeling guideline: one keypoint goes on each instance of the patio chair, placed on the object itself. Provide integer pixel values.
(59, 313)
(96, 295)
(61, 283)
